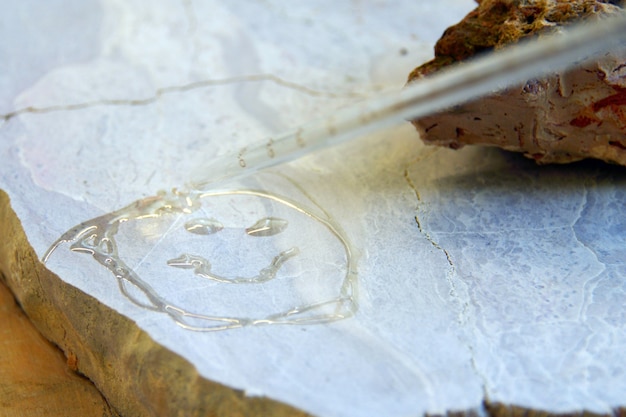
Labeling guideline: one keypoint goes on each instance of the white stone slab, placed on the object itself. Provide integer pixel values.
(509, 286)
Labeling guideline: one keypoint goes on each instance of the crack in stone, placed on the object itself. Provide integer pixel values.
(451, 267)
(192, 22)
(159, 93)
(590, 284)
(463, 317)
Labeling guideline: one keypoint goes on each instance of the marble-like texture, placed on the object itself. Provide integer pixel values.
(481, 276)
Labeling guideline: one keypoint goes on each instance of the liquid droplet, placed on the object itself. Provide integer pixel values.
(203, 226)
(200, 265)
(268, 226)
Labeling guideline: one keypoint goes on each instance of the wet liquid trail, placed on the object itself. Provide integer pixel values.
(97, 237)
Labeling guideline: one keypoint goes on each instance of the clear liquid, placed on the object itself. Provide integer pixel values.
(99, 238)
(204, 226)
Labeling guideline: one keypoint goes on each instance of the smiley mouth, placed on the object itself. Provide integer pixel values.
(202, 267)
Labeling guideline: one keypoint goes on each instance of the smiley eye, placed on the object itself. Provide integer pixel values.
(203, 226)
(268, 226)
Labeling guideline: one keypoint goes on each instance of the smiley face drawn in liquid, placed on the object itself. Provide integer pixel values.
(280, 268)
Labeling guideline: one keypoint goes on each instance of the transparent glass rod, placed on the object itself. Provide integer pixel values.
(453, 86)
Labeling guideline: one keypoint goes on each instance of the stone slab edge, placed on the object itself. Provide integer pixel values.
(137, 376)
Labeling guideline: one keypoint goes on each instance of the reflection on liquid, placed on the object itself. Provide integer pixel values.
(204, 226)
(268, 226)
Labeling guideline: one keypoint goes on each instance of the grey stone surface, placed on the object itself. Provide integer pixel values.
(480, 274)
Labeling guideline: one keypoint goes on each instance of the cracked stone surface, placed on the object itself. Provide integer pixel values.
(485, 283)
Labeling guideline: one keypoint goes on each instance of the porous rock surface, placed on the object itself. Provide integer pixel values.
(560, 118)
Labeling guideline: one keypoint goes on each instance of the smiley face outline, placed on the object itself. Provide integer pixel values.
(97, 237)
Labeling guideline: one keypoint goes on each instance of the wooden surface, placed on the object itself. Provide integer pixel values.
(35, 379)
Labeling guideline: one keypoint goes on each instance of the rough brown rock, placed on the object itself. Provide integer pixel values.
(34, 378)
(561, 118)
